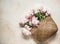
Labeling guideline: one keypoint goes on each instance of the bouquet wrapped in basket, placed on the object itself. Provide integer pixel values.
(39, 25)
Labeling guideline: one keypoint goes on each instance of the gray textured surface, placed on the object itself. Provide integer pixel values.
(12, 12)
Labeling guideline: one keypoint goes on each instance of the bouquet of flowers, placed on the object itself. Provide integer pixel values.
(39, 25)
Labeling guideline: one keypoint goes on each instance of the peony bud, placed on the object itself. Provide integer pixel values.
(22, 24)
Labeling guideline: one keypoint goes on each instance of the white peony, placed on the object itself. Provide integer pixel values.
(26, 32)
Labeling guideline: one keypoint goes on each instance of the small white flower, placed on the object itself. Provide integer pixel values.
(46, 14)
(27, 27)
(26, 32)
(44, 9)
(30, 23)
(41, 9)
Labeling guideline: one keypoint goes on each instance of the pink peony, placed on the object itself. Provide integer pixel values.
(35, 22)
(29, 17)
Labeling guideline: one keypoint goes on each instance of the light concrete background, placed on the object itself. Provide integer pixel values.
(13, 11)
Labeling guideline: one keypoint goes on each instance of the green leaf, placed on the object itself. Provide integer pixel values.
(37, 14)
(40, 16)
(27, 23)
